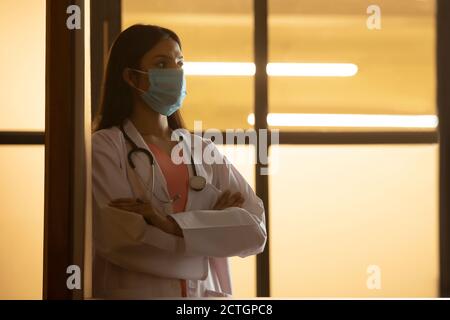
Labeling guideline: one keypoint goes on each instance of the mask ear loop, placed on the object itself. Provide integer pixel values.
(132, 84)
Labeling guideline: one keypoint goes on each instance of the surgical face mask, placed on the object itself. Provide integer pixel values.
(167, 90)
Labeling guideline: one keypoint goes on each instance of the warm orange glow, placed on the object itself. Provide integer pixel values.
(21, 222)
(22, 61)
(22, 106)
(335, 210)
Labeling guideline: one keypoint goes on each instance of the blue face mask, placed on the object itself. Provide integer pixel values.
(167, 90)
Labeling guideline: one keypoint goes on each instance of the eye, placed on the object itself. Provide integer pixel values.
(161, 64)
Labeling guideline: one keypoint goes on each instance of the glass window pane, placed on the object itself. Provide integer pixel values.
(210, 31)
(243, 271)
(353, 207)
(22, 62)
(21, 222)
(396, 64)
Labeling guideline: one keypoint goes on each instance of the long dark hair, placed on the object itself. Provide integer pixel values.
(127, 51)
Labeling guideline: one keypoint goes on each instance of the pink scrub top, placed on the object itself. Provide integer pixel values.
(176, 175)
(177, 178)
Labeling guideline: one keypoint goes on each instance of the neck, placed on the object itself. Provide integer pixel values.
(149, 122)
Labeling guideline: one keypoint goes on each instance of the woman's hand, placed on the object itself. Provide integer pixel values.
(228, 200)
(151, 216)
(136, 206)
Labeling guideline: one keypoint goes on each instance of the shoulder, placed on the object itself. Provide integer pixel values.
(106, 139)
(103, 134)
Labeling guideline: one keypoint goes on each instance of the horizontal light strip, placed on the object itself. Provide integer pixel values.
(273, 69)
(219, 69)
(312, 69)
(348, 120)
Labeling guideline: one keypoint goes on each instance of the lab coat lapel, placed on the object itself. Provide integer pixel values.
(194, 147)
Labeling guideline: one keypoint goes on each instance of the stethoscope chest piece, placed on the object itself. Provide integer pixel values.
(197, 183)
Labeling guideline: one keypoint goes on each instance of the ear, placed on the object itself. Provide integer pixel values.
(126, 75)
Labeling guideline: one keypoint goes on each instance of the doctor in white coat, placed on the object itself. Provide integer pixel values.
(143, 249)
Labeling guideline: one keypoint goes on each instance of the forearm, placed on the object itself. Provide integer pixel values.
(166, 224)
(151, 216)
(224, 233)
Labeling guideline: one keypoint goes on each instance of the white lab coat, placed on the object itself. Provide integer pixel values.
(134, 260)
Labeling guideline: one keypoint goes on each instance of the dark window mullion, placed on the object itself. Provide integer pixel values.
(443, 97)
(22, 138)
(261, 111)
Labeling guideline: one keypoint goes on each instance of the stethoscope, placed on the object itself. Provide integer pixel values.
(196, 182)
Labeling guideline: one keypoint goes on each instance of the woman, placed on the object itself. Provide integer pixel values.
(162, 229)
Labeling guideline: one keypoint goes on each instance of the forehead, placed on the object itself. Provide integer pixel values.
(166, 47)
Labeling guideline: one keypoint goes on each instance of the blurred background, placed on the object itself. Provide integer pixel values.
(334, 208)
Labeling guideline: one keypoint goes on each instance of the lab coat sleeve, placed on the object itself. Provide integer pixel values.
(230, 232)
(118, 231)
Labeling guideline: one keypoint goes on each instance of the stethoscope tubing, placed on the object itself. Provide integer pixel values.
(197, 183)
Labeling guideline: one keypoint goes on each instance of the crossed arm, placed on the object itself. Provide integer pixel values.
(166, 223)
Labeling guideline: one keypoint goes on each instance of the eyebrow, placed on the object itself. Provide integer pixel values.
(167, 57)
